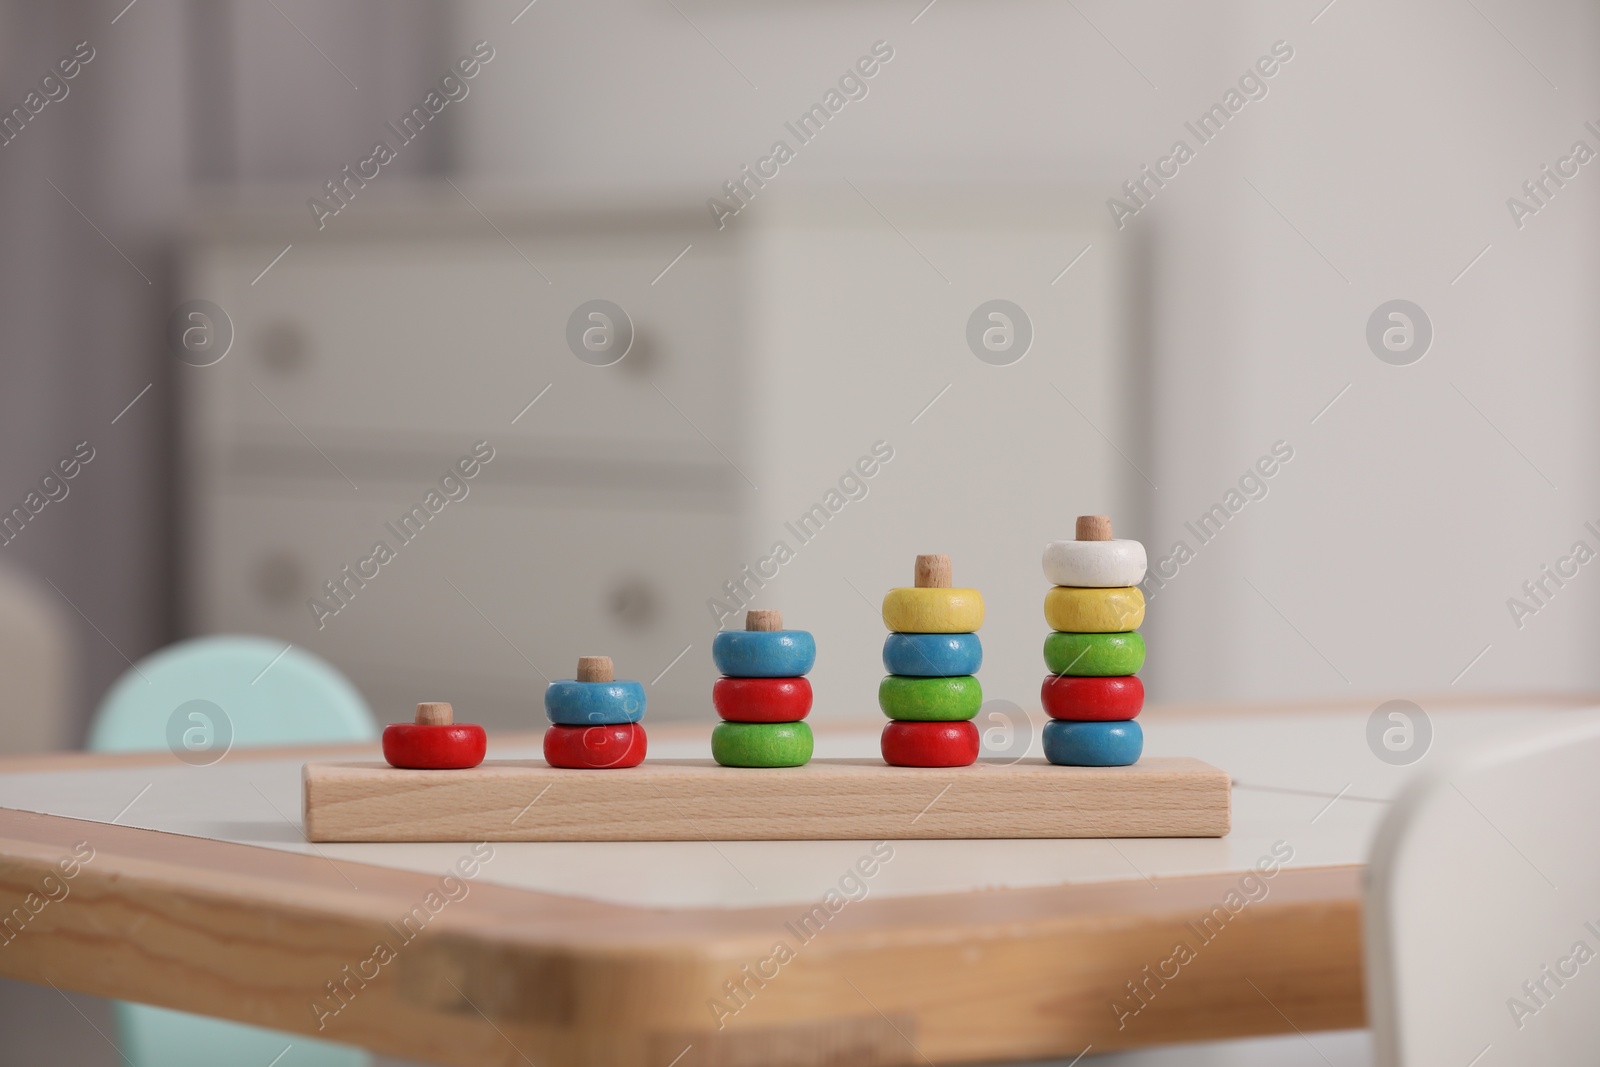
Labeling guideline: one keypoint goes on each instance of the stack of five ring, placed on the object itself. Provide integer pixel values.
(1095, 651)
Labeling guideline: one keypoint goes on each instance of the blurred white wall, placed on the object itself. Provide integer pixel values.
(1376, 167)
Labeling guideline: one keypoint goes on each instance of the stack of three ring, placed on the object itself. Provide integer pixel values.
(763, 694)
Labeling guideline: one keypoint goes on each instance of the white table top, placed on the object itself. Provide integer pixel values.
(1287, 769)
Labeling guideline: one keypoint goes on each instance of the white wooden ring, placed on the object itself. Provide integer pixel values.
(1094, 564)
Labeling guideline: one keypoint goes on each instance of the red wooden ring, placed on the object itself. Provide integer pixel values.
(595, 748)
(762, 699)
(930, 744)
(416, 746)
(1115, 699)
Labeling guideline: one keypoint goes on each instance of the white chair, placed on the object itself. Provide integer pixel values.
(1482, 921)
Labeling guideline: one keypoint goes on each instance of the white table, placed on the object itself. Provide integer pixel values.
(607, 952)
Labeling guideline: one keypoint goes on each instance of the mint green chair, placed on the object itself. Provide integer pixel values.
(201, 698)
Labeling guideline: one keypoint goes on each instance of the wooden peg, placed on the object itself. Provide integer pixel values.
(933, 572)
(1094, 527)
(435, 713)
(596, 669)
(763, 619)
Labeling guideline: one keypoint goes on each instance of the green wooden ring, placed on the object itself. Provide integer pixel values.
(761, 744)
(930, 699)
(1094, 655)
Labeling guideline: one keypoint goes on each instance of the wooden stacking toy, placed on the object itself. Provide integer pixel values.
(1091, 694)
(594, 719)
(435, 741)
(932, 654)
(763, 694)
(1094, 782)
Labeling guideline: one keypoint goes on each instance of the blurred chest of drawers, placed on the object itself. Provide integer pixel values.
(373, 359)
(622, 501)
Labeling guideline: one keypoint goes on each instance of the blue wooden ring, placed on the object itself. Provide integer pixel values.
(764, 653)
(570, 703)
(1092, 744)
(932, 655)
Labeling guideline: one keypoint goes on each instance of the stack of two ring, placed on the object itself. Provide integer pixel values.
(594, 719)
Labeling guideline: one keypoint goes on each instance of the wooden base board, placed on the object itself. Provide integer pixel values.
(827, 799)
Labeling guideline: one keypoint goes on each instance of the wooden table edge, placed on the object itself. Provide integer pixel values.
(256, 934)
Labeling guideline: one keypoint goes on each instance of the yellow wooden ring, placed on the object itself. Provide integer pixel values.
(933, 611)
(1094, 611)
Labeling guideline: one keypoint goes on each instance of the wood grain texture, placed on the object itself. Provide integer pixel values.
(595, 669)
(831, 799)
(932, 572)
(763, 619)
(507, 976)
(435, 713)
(1093, 528)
